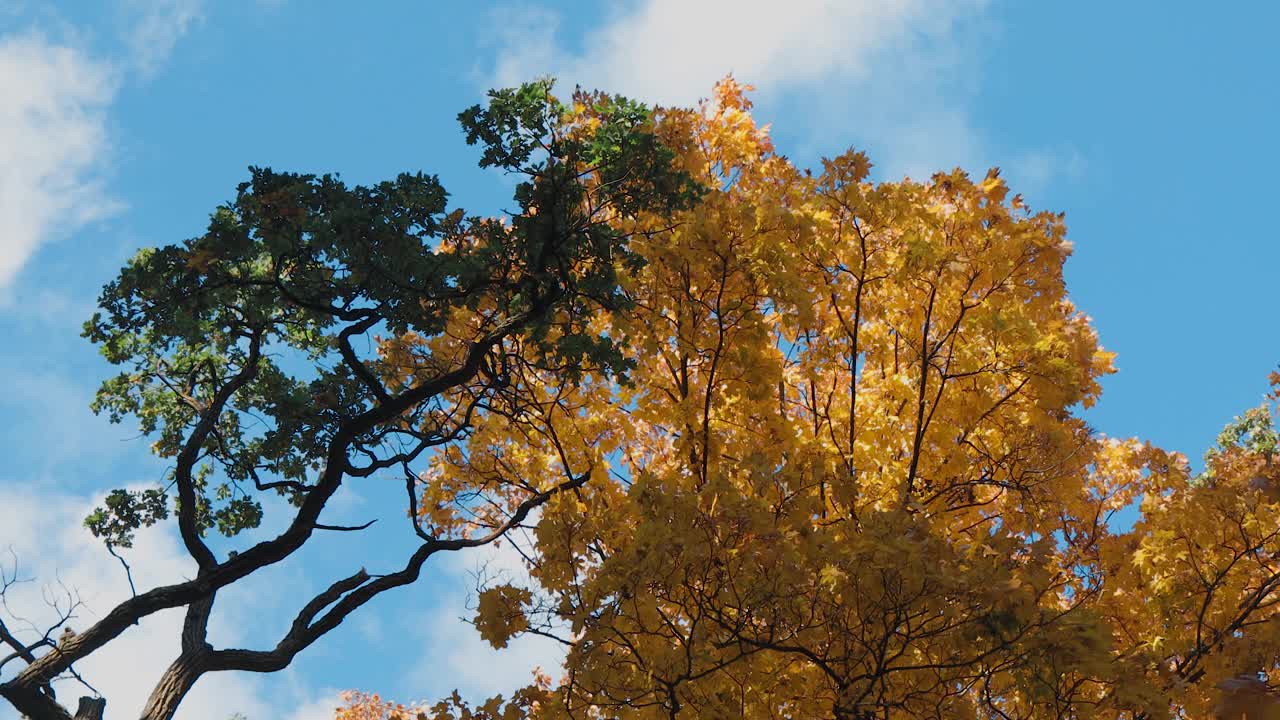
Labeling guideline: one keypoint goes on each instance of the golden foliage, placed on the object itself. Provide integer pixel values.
(847, 477)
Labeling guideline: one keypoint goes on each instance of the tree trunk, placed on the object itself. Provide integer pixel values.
(91, 708)
(174, 685)
(178, 680)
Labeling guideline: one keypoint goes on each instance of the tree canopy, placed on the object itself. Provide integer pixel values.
(242, 354)
(786, 443)
(848, 477)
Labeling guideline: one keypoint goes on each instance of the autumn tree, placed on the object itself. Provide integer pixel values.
(242, 354)
(847, 475)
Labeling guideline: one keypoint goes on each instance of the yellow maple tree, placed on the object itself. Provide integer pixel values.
(847, 476)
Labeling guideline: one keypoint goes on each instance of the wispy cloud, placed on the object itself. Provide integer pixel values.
(53, 144)
(475, 669)
(153, 28)
(323, 708)
(55, 139)
(1035, 170)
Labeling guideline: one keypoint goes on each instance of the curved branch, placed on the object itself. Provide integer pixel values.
(271, 551)
(189, 455)
(350, 593)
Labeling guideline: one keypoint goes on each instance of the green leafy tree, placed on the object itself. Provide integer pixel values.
(241, 355)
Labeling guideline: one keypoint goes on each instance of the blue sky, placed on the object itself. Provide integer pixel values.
(124, 122)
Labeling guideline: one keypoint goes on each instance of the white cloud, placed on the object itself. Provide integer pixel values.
(672, 51)
(47, 536)
(320, 709)
(53, 144)
(895, 77)
(45, 532)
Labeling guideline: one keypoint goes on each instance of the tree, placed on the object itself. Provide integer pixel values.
(847, 476)
(241, 355)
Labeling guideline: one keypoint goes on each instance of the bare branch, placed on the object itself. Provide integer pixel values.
(345, 528)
